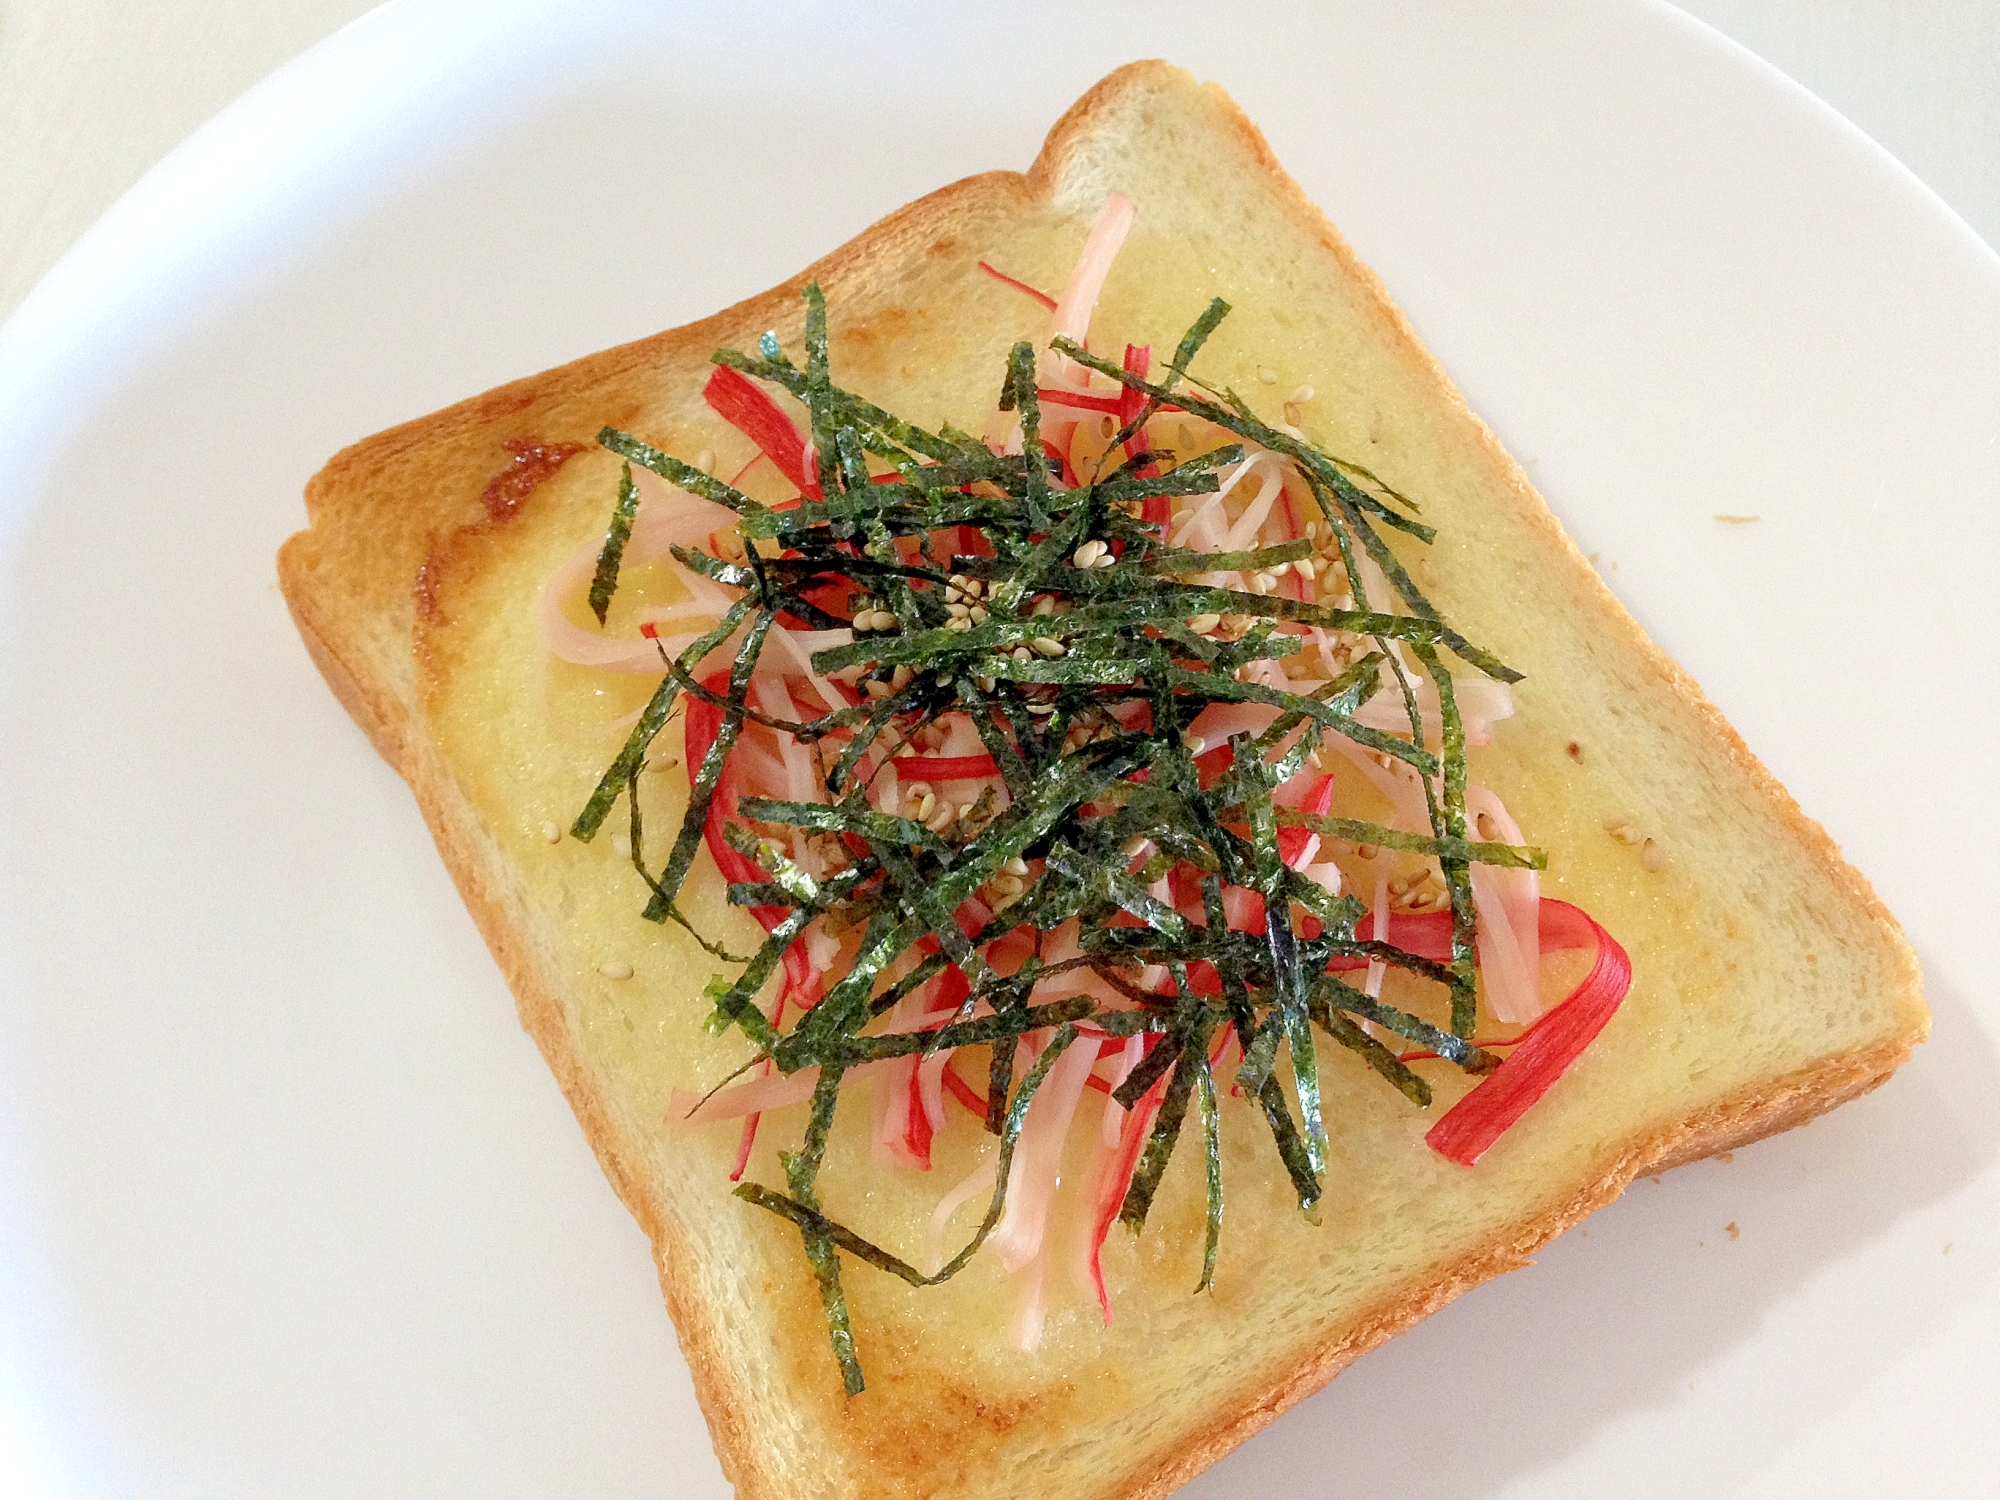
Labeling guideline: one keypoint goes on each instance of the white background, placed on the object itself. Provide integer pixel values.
(93, 92)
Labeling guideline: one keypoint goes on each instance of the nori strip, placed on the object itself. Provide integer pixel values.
(1212, 1133)
(605, 582)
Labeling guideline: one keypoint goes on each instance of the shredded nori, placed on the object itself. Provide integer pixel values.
(1083, 711)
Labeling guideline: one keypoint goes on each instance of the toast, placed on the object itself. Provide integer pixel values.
(1770, 984)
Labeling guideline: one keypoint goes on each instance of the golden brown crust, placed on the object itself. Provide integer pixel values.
(363, 579)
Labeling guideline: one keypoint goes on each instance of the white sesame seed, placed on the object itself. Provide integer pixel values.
(1049, 646)
(615, 970)
(551, 833)
(621, 845)
(1203, 624)
(903, 676)
(1266, 374)
(1306, 568)
(1087, 555)
(705, 460)
(1300, 396)
(1016, 866)
(978, 615)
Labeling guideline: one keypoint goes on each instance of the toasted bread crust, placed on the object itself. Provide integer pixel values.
(361, 580)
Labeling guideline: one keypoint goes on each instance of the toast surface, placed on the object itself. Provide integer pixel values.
(1770, 984)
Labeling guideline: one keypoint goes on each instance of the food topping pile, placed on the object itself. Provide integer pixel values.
(1047, 759)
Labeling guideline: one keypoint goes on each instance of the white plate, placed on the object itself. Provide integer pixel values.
(289, 1206)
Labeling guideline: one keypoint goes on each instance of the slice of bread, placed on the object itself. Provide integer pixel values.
(1770, 984)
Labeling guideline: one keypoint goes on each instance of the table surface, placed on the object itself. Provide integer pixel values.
(94, 92)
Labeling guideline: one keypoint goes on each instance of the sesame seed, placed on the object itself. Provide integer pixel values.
(978, 615)
(902, 677)
(1652, 857)
(621, 845)
(615, 970)
(551, 833)
(705, 460)
(1087, 555)
(1266, 374)
(1049, 646)
(1300, 396)
(1203, 624)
